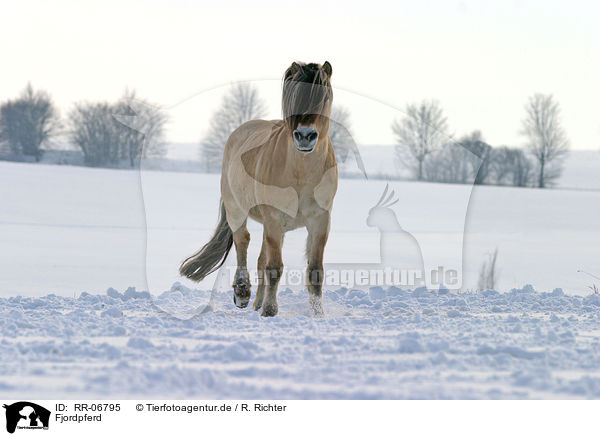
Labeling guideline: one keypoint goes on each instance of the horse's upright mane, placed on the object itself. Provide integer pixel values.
(306, 91)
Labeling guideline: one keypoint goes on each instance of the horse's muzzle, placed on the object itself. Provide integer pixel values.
(305, 139)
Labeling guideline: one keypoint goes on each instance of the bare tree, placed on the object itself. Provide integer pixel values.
(93, 128)
(126, 130)
(340, 133)
(449, 164)
(419, 133)
(27, 122)
(478, 156)
(466, 161)
(141, 133)
(241, 103)
(547, 141)
(510, 166)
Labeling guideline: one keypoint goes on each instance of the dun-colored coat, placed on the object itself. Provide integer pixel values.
(282, 174)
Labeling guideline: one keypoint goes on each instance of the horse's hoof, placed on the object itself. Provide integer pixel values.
(316, 306)
(269, 309)
(256, 305)
(317, 314)
(241, 294)
(240, 301)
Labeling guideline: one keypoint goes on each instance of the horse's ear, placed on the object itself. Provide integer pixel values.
(327, 68)
(292, 70)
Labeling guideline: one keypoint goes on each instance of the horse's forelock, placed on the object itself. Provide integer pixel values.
(306, 91)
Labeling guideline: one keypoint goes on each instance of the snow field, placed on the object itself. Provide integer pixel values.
(383, 343)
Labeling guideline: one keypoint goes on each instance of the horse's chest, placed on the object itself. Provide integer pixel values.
(307, 207)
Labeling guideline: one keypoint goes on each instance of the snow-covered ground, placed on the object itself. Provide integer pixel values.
(377, 344)
(72, 229)
(70, 233)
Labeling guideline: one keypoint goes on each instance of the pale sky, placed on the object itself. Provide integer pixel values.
(480, 59)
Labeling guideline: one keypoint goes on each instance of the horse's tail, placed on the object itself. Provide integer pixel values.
(213, 254)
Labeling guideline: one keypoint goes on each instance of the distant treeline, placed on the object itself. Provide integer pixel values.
(125, 131)
(106, 133)
(472, 161)
(427, 149)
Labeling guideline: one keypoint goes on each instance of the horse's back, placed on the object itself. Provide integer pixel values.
(249, 135)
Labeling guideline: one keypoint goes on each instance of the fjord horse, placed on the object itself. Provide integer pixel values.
(283, 174)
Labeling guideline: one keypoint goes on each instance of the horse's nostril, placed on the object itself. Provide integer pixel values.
(312, 136)
(297, 135)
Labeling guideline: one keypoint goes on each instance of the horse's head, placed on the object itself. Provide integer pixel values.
(306, 102)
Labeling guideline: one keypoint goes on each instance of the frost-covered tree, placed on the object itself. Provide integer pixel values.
(27, 122)
(546, 139)
(510, 166)
(478, 156)
(340, 133)
(240, 103)
(419, 133)
(141, 130)
(128, 130)
(449, 164)
(465, 161)
(92, 128)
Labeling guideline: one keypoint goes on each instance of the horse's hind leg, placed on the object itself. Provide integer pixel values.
(241, 281)
(260, 290)
(274, 267)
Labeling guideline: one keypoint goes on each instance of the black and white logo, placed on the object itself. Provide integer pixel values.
(26, 415)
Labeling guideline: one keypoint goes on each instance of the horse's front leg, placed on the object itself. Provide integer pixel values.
(241, 281)
(318, 231)
(260, 289)
(273, 240)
